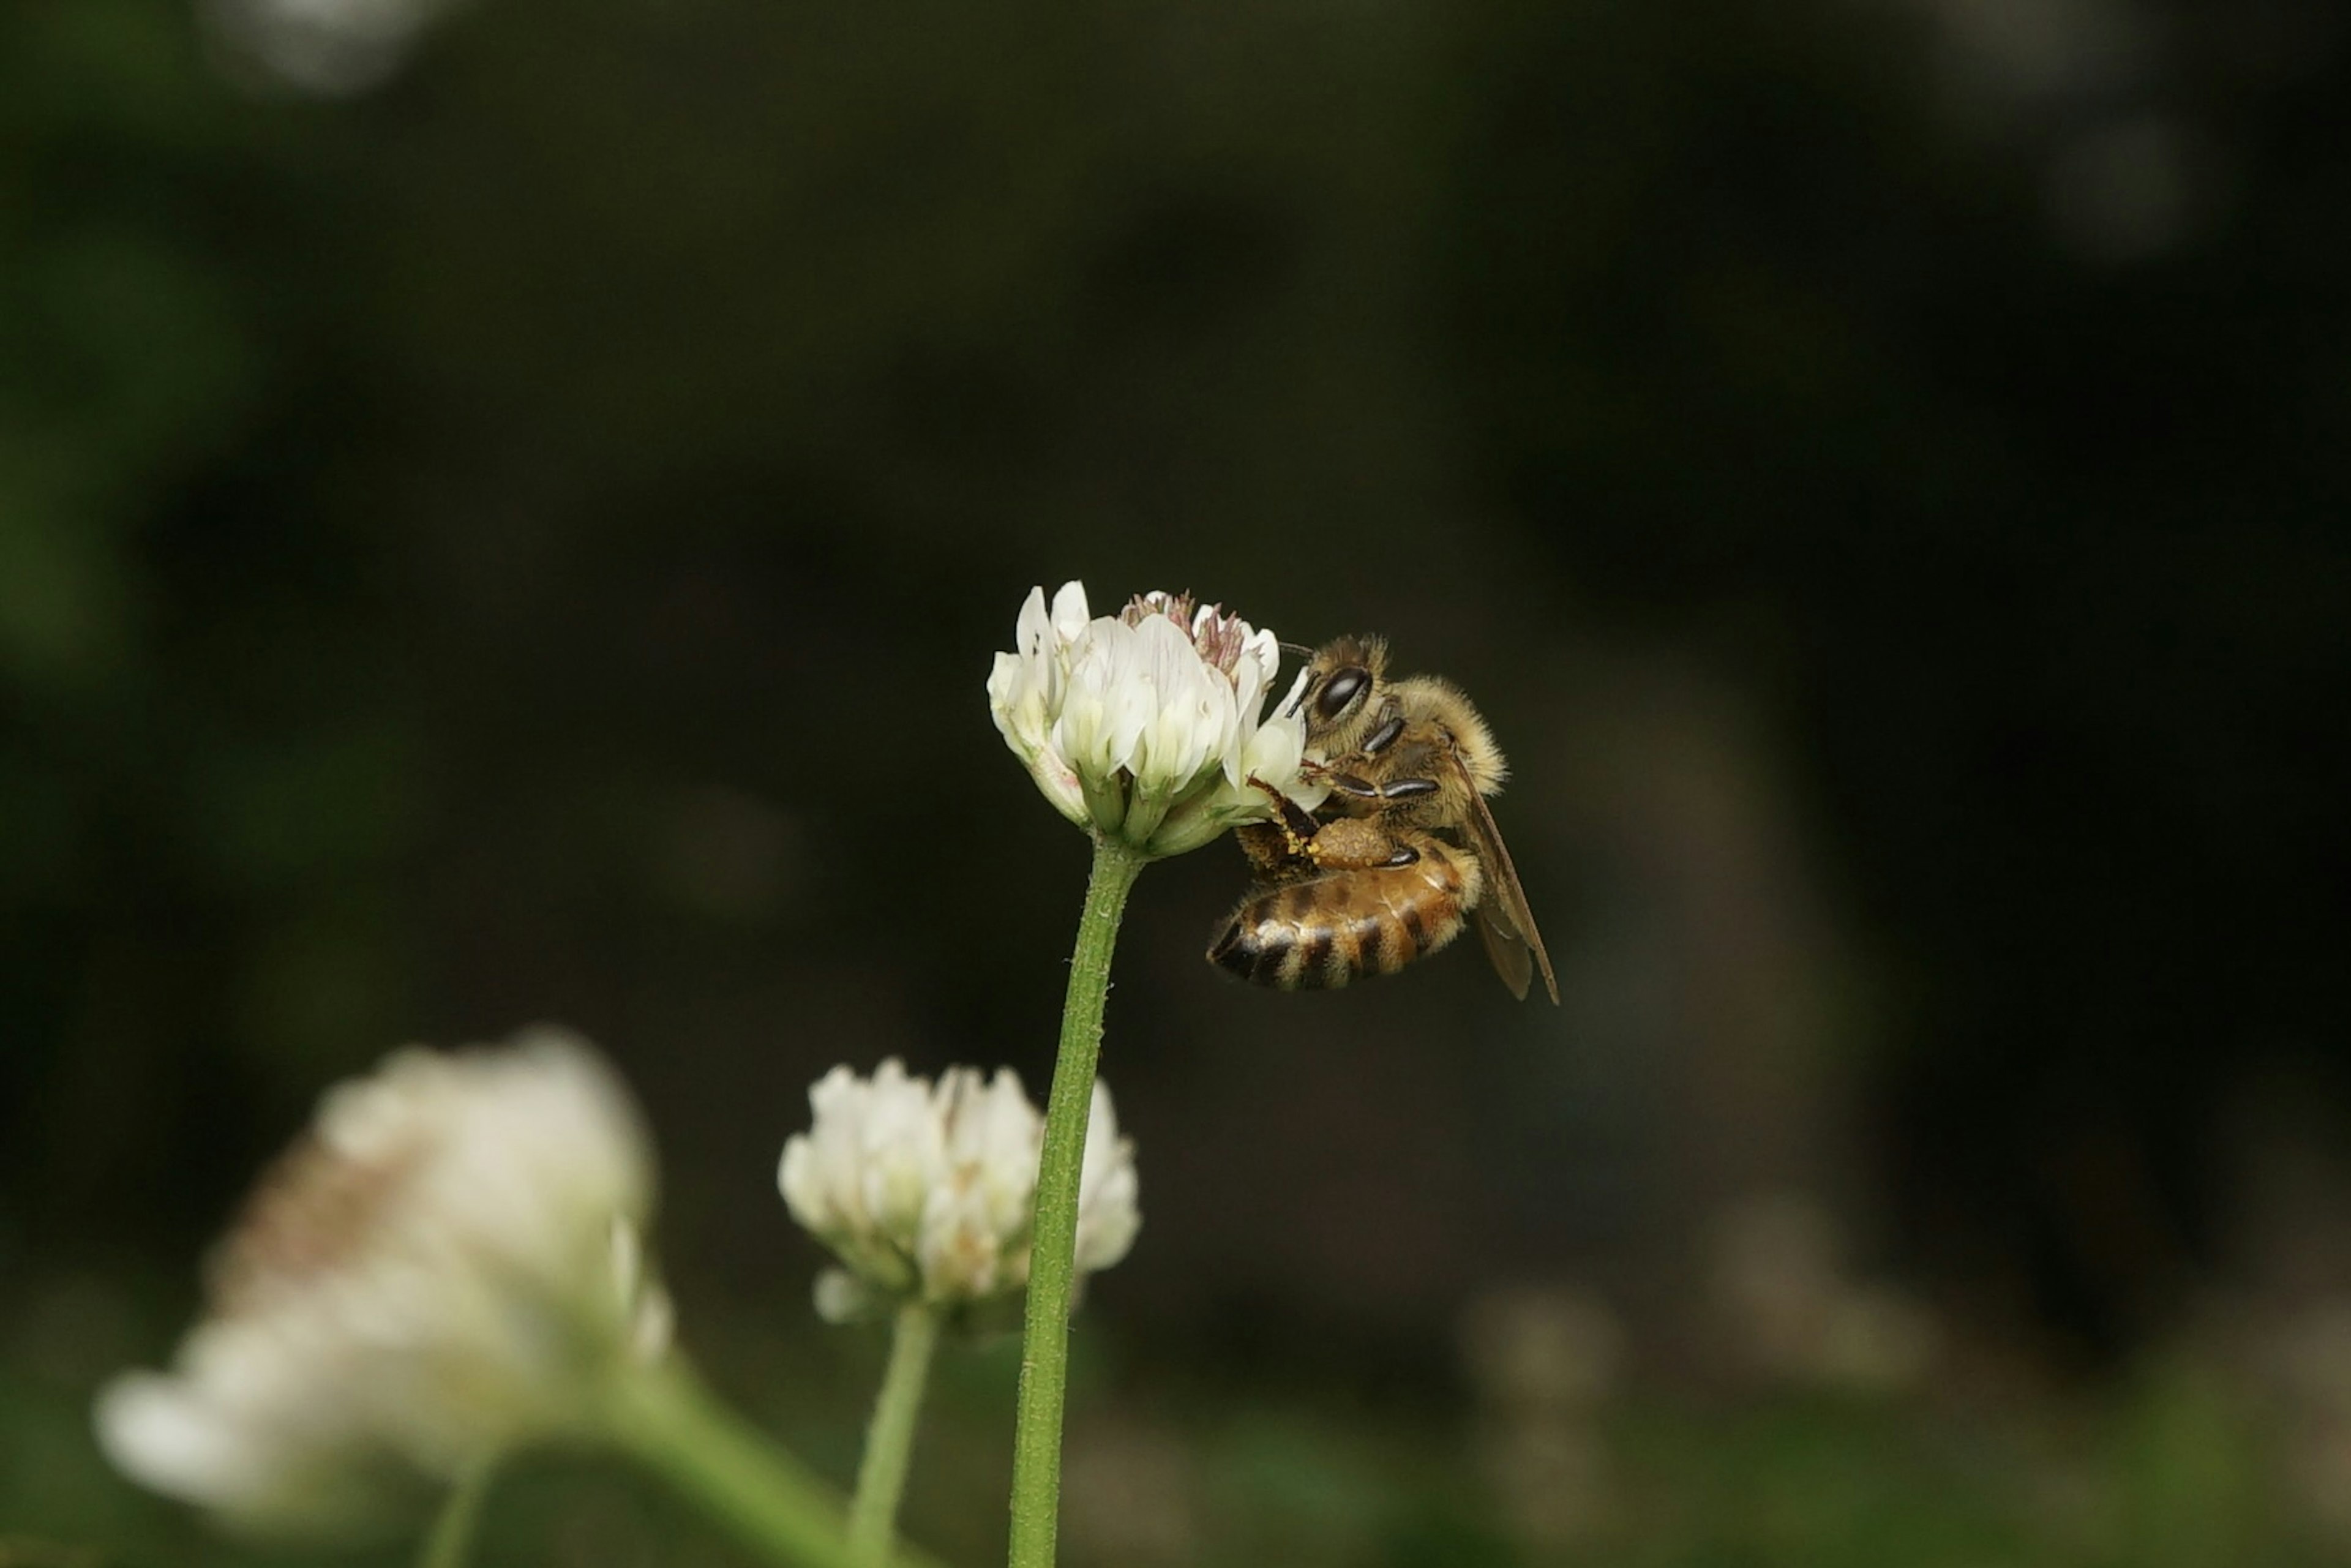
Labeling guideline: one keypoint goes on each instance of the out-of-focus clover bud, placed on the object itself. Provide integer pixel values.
(927, 1193)
(448, 1266)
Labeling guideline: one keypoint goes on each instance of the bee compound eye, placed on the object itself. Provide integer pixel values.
(1340, 690)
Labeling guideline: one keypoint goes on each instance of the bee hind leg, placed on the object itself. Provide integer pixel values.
(1358, 844)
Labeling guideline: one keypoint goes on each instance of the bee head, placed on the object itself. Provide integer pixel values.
(1341, 678)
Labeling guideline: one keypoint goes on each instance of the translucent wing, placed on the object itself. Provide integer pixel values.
(1504, 922)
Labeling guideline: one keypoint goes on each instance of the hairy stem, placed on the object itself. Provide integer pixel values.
(1045, 1341)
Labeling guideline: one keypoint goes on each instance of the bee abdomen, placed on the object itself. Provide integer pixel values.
(1319, 934)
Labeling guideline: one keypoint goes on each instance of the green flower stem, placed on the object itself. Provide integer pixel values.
(452, 1536)
(671, 1423)
(1045, 1342)
(890, 1440)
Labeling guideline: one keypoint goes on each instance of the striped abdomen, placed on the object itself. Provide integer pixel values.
(1324, 930)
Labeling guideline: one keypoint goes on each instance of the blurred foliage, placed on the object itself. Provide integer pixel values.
(2167, 1471)
(525, 540)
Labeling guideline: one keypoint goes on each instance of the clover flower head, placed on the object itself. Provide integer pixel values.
(927, 1192)
(1148, 725)
(447, 1266)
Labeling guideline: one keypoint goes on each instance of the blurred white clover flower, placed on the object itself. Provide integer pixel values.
(1147, 726)
(926, 1193)
(447, 1266)
(331, 48)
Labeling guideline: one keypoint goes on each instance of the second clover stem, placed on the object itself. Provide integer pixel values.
(667, 1420)
(890, 1440)
(1045, 1339)
(452, 1536)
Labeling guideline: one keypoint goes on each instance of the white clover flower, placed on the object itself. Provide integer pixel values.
(330, 48)
(447, 1266)
(928, 1193)
(1147, 726)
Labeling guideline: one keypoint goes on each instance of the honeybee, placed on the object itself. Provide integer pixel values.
(1406, 852)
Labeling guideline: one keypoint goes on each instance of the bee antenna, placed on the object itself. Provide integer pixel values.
(1305, 687)
(1300, 649)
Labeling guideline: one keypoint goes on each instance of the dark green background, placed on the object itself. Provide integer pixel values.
(526, 542)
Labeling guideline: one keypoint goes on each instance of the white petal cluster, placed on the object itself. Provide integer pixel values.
(927, 1192)
(447, 1266)
(1147, 724)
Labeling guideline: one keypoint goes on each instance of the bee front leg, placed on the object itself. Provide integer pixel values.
(1380, 738)
(1352, 785)
(1294, 824)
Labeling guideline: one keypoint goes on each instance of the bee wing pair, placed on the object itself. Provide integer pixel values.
(1505, 924)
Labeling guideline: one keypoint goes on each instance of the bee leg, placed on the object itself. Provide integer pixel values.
(1357, 843)
(1295, 823)
(1273, 855)
(1383, 738)
(1348, 784)
(1408, 788)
